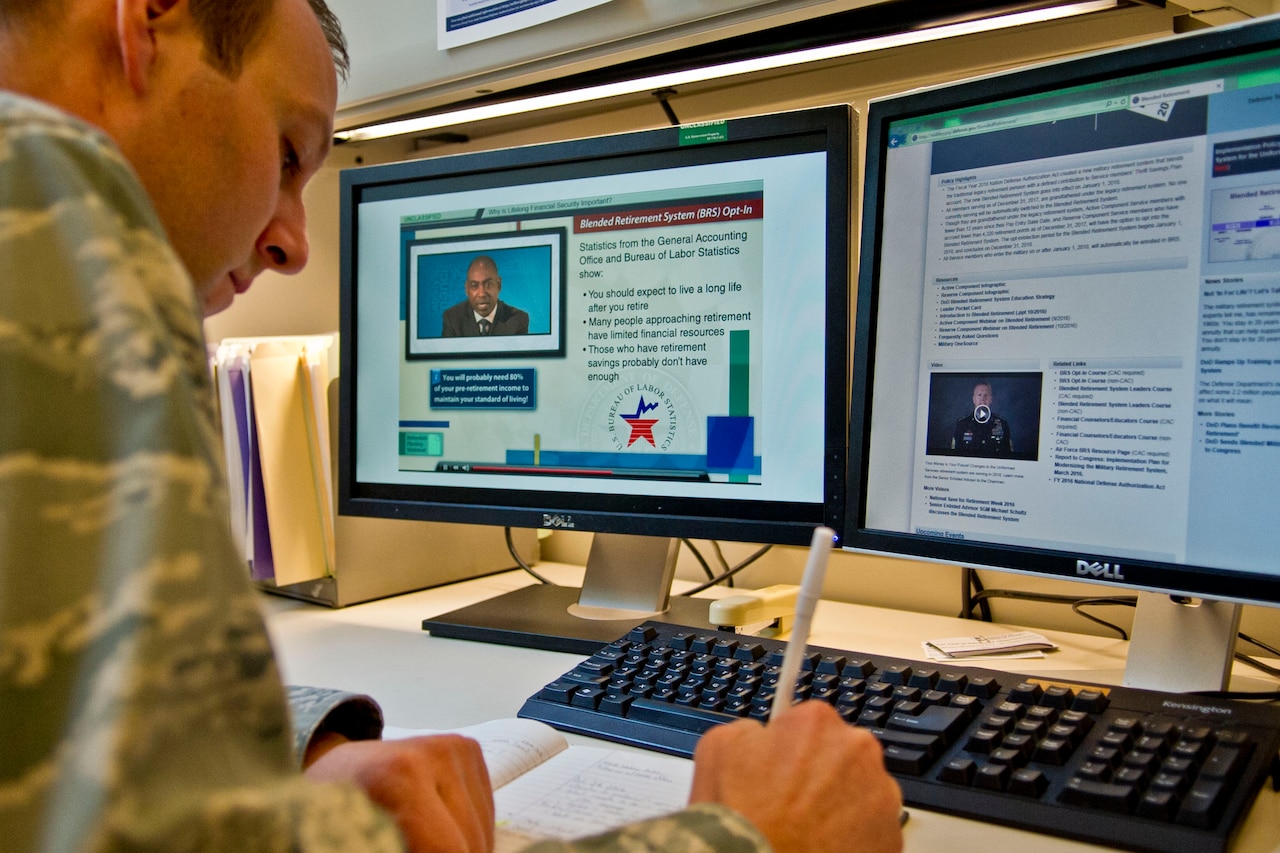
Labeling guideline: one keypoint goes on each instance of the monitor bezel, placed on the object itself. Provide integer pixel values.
(752, 521)
(1092, 566)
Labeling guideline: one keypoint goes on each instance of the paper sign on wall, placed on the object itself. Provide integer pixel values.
(465, 21)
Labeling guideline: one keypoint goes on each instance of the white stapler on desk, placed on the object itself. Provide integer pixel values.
(766, 612)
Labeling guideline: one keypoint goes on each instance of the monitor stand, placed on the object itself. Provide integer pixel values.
(627, 582)
(1181, 645)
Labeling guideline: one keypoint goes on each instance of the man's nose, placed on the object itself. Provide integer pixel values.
(283, 244)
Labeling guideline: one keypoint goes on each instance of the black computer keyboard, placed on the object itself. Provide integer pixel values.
(1137, 769)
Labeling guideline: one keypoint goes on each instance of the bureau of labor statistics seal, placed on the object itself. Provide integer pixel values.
(643, 410)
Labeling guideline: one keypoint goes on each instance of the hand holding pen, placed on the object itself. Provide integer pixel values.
(807, 780)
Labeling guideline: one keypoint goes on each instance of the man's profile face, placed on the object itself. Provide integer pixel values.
(227, 175)
(483, 286)
(981, 395)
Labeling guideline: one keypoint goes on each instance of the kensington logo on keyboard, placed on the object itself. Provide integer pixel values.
(1199, 709)
(1110, 571)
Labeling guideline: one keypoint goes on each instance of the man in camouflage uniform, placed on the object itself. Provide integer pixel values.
(982, 432)
(152, 159)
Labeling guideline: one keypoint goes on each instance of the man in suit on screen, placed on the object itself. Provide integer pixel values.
(482, 313)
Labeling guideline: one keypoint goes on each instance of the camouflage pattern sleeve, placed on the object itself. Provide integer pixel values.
(703, 828)
(316, 709)
(141, 703)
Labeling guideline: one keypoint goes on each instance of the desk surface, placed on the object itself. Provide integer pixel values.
(427, 682)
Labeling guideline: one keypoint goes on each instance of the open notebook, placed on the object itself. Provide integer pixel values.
(545, 788)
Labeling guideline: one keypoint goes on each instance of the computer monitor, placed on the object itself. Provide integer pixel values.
(667, 354)
(1067, 354)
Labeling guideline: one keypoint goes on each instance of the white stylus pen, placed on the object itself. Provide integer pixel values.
(806, 601)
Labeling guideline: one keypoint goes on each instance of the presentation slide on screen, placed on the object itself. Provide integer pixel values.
(602, 334)
(1095, 333)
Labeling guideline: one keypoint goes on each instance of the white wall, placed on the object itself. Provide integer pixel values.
(397, 67)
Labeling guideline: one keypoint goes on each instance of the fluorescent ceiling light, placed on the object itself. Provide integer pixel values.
(712, 72)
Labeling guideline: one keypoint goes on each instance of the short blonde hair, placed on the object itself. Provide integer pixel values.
(230, 27)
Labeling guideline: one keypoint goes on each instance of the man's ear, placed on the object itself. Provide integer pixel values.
(135, 34)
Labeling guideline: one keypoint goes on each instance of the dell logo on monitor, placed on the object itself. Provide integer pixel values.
(564, 522)
(1107, 571)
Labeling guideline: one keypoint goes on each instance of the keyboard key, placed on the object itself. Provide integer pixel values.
(1127, 725)
(970, 705)
(982, 686)
(1235, 739)
(680, 640)
(935, 697)
(724, 648)
(1174, 783)
(907, 707)
(830, 665)
(1026, 693)
(897, 674)
(872, 718)
(1107, 755)
(959, 771)
(1193, 751)
(700, 644)
(999, 722)
(1093, 771)
(826, 681)
(642, 634)
(907, 694)
(1069, 734)
(678, 717)
(1195, 732)
(579, 676)
(1031, 728)
(935, 719)
(925, 679)
(857, 668)
(1102, 795)
(1013, 710)
(616, 704)
(930, 743)
(1021, 744)
(907, 761)
(1158, 805)
(1004, 755)
(1145, 762)
(878, 688)
(983, 740)
(1223, 763)
(1042, 714)
(1053, 751)
(1027, 782)
(1119, 741)
(586, 697)
(1203, 803)
(1151, 744)
(993, 777)
(1090, 702)
(557, 691)
(1057, 696)
(1129, 776)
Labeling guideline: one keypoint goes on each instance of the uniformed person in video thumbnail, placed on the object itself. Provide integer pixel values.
(982, 432)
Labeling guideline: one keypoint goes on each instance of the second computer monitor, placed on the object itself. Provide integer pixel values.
(641, 334)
